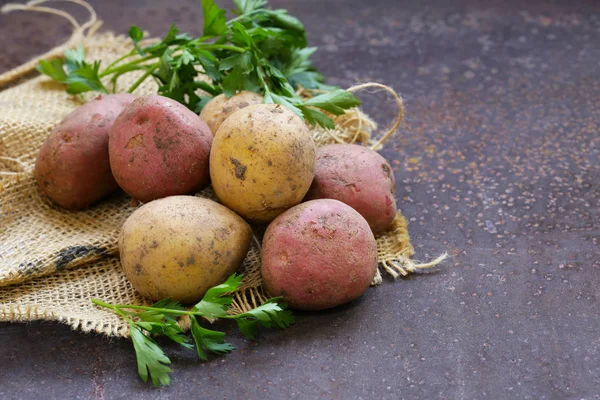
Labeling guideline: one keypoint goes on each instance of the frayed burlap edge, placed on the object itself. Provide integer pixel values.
(64, 295)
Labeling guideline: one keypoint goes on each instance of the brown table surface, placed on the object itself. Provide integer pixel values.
(497, 164)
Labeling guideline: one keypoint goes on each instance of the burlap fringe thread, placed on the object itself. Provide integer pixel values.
(29, 299)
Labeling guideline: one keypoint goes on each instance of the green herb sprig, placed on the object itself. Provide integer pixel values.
(160, 319)
(260, 50)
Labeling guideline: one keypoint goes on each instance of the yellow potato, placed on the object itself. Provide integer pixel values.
(262, 161)
(219, 108)
(180, 246)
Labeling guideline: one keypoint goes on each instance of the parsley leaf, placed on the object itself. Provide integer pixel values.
(54, 68)
(209, 340)
(74, 59)
(152, 362)
(136, 35)
(171, 35)
(210, 64)
(79, 76)
(284, 101)
(237, 81)
(248, 6)
(85, 79)
(168, 328)
(286, 21)
(215, 302)
(261, 50)
(215, 22)
(240, 36)
(335, 101)
(314, 117)
(160, 319)
(241, 60)
(185, 58)
(270, 315)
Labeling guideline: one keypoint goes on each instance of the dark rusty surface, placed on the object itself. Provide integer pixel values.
(497, 163)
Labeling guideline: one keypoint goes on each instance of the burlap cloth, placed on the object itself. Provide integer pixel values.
(53, 261)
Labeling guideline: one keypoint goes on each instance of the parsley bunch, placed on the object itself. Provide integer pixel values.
(160, 319)
(260, 50)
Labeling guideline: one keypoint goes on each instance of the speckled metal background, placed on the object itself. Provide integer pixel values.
(498, 163)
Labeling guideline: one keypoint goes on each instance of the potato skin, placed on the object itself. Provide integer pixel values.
(72, 167)
(262, 161)
(220, 107)
(318, 255)
(359, 177)
(180, 246)
(159, 148)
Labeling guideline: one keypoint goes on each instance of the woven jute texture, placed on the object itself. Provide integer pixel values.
(53, 261)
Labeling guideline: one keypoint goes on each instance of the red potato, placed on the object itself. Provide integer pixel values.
(359, 177)
(72, 167)
(159, 148)
(318, 255)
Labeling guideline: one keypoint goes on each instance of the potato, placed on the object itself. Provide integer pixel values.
(159, 148)
(72, 166)
(181, 246)
(219, 108)
(262, 161)
(318, 255)
(359, 177)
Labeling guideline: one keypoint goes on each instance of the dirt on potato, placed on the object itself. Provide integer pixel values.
(72, 167)
(159, 148)
(318, 255)
(262, 161)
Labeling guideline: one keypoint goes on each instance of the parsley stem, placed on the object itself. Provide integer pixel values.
(241, 17)
(117, 308)
(222, 47)
(118, 60)
(129, 68)
(142, 78)
(102, 304)
(114, 308)
(146, 308)
(125, 67)
(261, 77)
